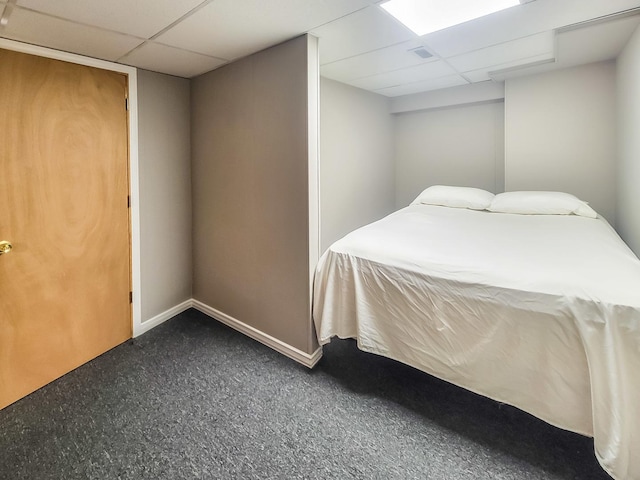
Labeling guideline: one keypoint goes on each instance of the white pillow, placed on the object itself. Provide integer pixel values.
(541, 203)
(458, 197)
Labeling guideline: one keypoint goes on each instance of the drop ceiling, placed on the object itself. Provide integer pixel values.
(360, 43)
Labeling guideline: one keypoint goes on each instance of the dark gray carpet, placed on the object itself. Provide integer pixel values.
(195, 399)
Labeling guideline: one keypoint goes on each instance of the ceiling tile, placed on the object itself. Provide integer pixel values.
(173, 61)
(379, 61)
(427, 71)
(361, 32)
(520, 21)
(586, 43)
(360, 43)
(142, 18)
(231, 29)
(32, 27)
(424, 86)
(503, 53)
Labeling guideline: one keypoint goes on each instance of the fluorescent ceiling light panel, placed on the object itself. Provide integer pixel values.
(426, 16)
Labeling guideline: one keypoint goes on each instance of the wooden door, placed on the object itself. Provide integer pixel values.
(64, 287)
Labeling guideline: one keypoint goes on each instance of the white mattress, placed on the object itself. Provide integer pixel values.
(538, 311)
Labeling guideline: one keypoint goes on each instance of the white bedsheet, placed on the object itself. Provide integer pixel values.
(538, 311)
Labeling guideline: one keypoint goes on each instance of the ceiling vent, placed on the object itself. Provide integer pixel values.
(421, 52)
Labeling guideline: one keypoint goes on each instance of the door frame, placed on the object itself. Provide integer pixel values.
(134, 191)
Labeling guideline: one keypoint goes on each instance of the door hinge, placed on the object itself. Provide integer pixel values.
(128, 201)
(130, 297)
(126, 103)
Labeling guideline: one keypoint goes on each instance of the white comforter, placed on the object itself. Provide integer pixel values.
(538, 311)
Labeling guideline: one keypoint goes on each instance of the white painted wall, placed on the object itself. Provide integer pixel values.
(165, 191)
(462, 145)
(356, 159)
(628, 178)
(561, 134)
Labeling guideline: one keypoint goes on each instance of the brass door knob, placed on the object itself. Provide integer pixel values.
(5, 247)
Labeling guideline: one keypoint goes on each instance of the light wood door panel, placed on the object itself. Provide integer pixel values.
(64, 288)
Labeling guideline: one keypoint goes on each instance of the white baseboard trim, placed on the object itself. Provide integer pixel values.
(161, 318)
(308, 360)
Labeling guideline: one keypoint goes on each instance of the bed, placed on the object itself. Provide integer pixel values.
(524, 297)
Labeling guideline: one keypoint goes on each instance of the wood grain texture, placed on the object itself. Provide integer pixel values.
(63, 204)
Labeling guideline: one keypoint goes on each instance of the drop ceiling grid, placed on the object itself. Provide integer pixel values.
(469, 57)
(229, 29)
(427, 71)
(433, 84)
(511, 51)
(365, 70)
(478, 63)
(360, 43)
(173, 61)
(361, 32)
(484, 32)
(383, 60)
(40, 29)
(140, 18)
(508, 39)
(520, 21)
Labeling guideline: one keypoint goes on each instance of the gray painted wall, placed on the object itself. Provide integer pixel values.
(628, 178)
(250, 192)
(561, 134)
(356, 159)
(461, 145)
(165, 191)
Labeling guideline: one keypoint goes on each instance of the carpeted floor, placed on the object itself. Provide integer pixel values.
(193, 399)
